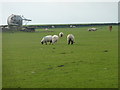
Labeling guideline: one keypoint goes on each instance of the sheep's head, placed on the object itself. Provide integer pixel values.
(41, 42)
(61, 35)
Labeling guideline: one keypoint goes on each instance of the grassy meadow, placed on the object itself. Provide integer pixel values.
(91, 62)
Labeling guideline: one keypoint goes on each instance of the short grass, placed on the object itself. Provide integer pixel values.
(92, 62)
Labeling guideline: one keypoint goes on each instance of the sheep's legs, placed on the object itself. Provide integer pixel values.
(50, 42)
(69, 41)
(46, 43)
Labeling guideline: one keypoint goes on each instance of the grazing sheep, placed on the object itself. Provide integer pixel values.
(46, 39)
(89, 29)
(71, 26)
(70, 39)
(92, 29)
(53, 26)
(74, 26)
(61, 34)
(54, 38)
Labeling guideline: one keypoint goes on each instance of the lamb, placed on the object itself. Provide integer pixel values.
(54, 39)
(46, 39)
(70, 39)
(61, 34)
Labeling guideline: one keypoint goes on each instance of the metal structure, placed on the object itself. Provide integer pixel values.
(15, 22)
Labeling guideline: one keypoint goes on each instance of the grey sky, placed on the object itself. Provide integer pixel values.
(119, 12)
(62, 12)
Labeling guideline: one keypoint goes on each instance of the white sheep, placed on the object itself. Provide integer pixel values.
(53, 26)
(61, 34)
(46, 39)
(70, 38)
(89, 29)
(74, 26)
(92, 29)
(54, 39)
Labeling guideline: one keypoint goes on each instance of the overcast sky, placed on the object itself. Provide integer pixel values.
(62, 12)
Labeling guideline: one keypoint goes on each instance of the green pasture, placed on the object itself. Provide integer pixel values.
(91, 62)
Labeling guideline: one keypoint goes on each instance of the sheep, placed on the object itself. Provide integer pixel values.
(74, 26)
(92, 29)
(89, 29)
(53, 26)
(71, 26)
(54, 39)
(70, 39)
(61, 34)
(46, 39)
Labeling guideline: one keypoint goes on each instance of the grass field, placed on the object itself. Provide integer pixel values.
(92, 62)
